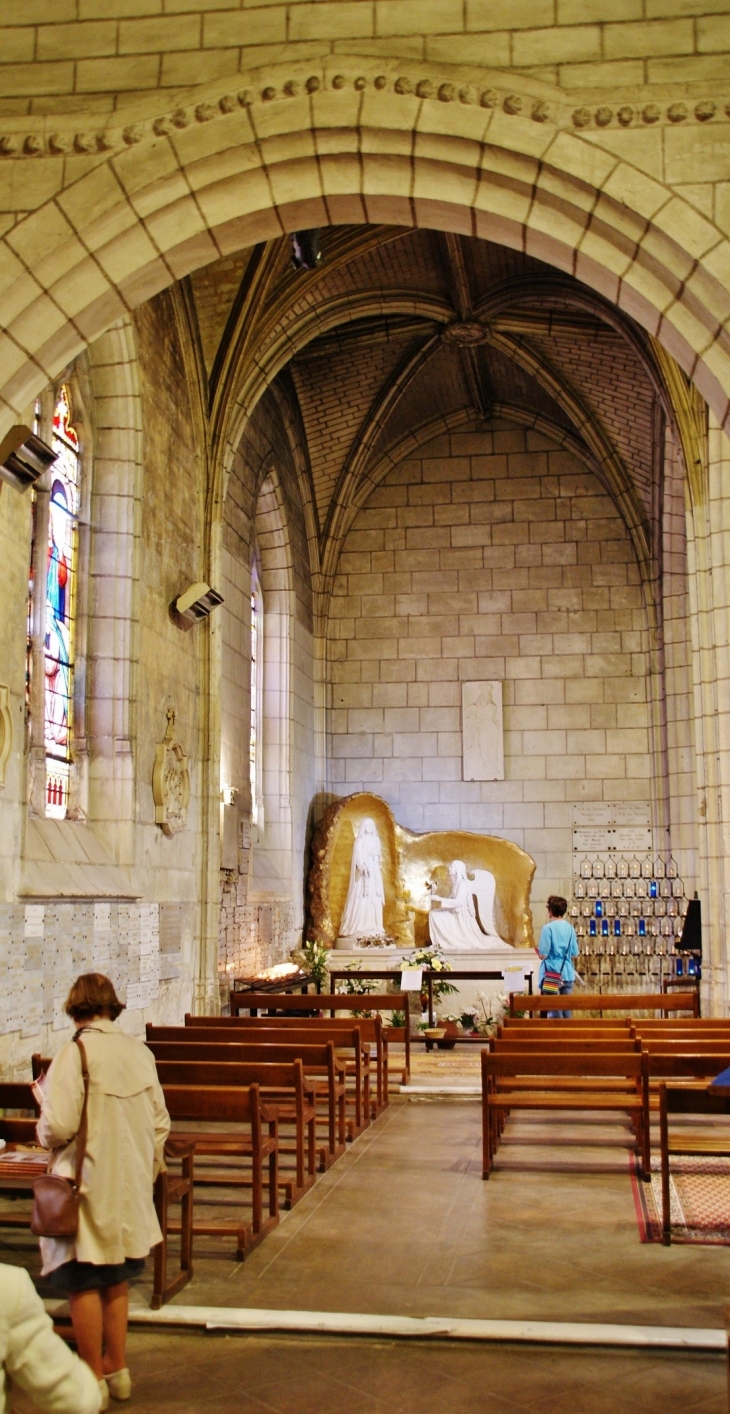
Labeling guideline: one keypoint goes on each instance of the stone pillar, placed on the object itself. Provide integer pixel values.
(709, 585)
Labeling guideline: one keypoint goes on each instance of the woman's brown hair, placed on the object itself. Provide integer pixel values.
(557, 906)
(92, 993)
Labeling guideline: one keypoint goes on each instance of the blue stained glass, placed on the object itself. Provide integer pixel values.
(592, 927)
(653, 890)
(617, 927)
(599, 908)
(642, 927)
(604, 927)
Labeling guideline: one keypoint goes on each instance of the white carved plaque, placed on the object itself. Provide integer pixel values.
(481, 729)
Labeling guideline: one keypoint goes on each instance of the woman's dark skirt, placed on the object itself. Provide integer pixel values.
(87, 1276)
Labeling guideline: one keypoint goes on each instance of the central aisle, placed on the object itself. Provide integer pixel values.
(404, 1224)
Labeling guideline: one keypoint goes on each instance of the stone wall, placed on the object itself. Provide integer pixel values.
(492, 555)
(91, 51)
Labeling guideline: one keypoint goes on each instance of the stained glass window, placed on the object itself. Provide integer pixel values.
(256, 694)
(61, 569)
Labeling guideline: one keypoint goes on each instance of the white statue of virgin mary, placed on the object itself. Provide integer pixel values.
(363, 915)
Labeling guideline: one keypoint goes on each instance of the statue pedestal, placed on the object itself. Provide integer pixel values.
(390, 959)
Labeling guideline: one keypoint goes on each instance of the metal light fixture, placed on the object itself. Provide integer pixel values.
(197, 603)
(24, 457)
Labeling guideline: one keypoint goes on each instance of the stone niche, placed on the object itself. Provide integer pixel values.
(408, 862)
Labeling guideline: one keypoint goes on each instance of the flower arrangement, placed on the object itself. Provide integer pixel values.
(491, 1011)
(356, 987)
(470, 1018)
(315, 957)
(429, 958)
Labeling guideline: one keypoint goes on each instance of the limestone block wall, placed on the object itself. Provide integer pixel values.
(92, 51)
(492, 555)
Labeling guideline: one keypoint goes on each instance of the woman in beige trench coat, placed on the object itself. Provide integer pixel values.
(127, 1128)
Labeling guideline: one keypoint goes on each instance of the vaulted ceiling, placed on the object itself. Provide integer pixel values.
(398, 333)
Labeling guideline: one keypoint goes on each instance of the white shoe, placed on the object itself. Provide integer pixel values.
(104, 1392)
(120, 1384)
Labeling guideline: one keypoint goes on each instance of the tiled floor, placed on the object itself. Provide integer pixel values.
(405, 1224)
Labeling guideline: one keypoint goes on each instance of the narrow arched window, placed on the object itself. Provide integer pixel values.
(257, 696)
(61, 575)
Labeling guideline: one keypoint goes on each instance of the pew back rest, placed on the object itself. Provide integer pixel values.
(680, 1100)
(626, 1064)
(299, 1001)
(589, 1046)
(343, 1039)
(674, 1064)
(18, 1095)
(270, 1075)
(214, 1103)
(370, 1027)
(236, 1051)
(608, 1001)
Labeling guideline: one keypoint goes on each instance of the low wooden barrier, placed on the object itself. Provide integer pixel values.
(607, 1001)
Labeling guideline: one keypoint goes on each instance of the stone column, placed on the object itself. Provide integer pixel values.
(708, 547)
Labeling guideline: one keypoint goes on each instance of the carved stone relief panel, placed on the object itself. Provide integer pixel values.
(171, 781)
(481, 728)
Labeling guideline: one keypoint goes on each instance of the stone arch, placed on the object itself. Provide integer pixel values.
(346, 144)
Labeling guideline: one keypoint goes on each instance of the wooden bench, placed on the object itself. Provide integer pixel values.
(319, 1062)
(606, 1001)
(332, 1002)
(371, 1030)
(675, 1100)
(174, 1188)
(691, 1066)
(16, 1180)
(281, 1084)
(588, 1088)
(215, 1104)
(346, 1039)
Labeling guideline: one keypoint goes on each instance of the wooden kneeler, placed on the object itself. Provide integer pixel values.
(174, 1188)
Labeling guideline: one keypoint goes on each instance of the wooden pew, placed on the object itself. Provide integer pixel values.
(174, 1188)
(607, 1001)
(332, 1002)
(681, 1100)
(345, 1039)
(281, 1084)
(499, 1069)
(319, 1062)
(371, 1029)
(204, 1105)
(691, 1065)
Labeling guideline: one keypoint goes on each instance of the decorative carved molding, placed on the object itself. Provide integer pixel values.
(171, 781)
(6, 731)
(16, 142)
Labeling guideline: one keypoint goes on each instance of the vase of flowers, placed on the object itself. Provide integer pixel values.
(469, 1019)
(491, 1011)
(428, 958)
